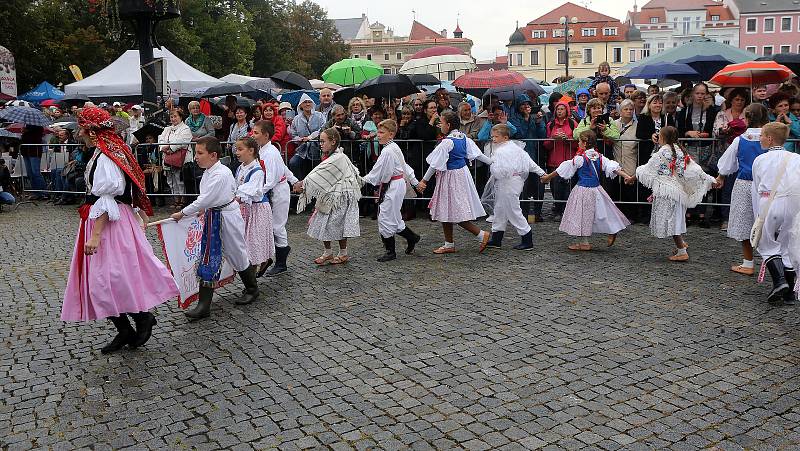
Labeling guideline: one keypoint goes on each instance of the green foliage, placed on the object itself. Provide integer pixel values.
(251, 37)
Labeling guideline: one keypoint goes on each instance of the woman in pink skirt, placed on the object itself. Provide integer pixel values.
(114, 272)
(254, 203)
(589, 208)
(455, 199)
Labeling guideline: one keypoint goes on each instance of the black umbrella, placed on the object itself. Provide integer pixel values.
(75, 99)
(455, 98)
(511, 92)
(387, 87)
(148, 129)
(287, 79)
(424, 79)
(790, 60)
(240, 101)
(264, 84)
(622, 81)
(706, 65)
(342, 96)
(257, 94)
(226, 89)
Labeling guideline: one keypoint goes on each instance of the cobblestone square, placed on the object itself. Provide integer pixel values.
(613, 349)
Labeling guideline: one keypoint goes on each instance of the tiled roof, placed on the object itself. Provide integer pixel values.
(767, 6)
(348, 28)
(723, 12)
(420, 32)
(679, 5)
(571, 10)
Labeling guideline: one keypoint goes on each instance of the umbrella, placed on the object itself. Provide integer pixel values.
(25, 115)
(423, 79)
(8, 134)
(225, 89)
(387, 87)
(438, 61)
(257, 94)
(240, 101)
(19, 103)
(75, 99)
(319, 84)
(49, 102)
(622, 81)
(706, 65)
(149, 128)
(69, 125)
(574, 85)
(455, 99)
(696, 47)
(293, 97)
(476, 83)
(342, 96)
(790, 60)
(753, 73)
(351, 71)
(513, 91)
(287, 79)
(675, 71)
(264, 84)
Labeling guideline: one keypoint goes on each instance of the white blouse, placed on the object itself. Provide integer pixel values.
(252, 190)
(178, 136)
(439, 156)
(217, 188)
(568, 168)
(108, 182)
(390, 163)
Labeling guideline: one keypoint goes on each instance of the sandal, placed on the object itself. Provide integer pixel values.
(579, 247)
(743, 270)
(323, 260)
(444, 250)
(612, 238)
(340, 259)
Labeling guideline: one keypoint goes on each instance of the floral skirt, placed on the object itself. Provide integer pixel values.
(591, 210)
(258, 232)
(741, 219)
(455, 198)
(668, 218)
(342, 222)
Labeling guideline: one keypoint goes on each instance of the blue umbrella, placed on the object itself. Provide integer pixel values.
(675, 71)
(514, 91)
(7, 134)
(25, 115)
(706, 65)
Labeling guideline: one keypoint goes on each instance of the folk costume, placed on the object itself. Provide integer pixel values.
(510, 167)
(589, 208)
(122, 277)
(391, 175)
(257, 213)
(223, 237)
(278, 177)
(775, 175)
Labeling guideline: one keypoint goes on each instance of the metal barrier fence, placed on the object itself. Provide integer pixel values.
(167, 181)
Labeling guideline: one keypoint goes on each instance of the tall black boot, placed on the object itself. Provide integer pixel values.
(144, 328)
(527, 242)
(203, 307)
(251, 292)
(790, 298)
(390, 254)
(779, 285)
(125, 334)
(496, 241)
(281, 253)
(411, 239)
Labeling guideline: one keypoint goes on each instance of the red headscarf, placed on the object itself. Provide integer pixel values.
(98, 121)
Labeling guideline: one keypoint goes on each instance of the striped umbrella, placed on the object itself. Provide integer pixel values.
(752, 73)
(476, 83)
(25, 115)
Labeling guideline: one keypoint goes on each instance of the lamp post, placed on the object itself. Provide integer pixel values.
(566, 21)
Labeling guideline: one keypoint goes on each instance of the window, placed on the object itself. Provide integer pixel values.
(451, 75)
(632, 56)
(660, 47)
(609, 31)
(534, 57)
(645, 50)
(558, 33)
(786, 49)
(386, 57)
(355, 56)
(616, 55)
(654, 20)
(767, 50)
(399, 56)
(687, 23)
(726, 42)
(715, 18)
(510, 59)
(369, 56)
(387, 71)
(769, 25)
(587, 56)
(751, 49)
(588, 31)
(539, 34)
(752, 25)
(519, 59)
(786, 24)
(562, 56)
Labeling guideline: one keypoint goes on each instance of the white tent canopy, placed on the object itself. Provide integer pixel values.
(236, 78)
(122, 77)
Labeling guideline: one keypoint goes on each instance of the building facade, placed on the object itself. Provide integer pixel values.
(767, 27)
(378, 43)
(538, 50)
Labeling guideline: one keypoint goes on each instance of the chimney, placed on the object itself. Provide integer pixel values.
(444, 33)
(635, 6)
(363, 16)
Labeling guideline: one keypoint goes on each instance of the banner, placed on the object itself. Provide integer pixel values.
(181, 243)
(8, 74)
(76, 72)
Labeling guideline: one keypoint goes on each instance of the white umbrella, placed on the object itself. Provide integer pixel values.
(438, 65)
(320, 84)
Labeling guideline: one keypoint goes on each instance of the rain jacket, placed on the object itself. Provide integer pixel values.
(281, 133)
(527, 129)
(580, 112)
(561, 150)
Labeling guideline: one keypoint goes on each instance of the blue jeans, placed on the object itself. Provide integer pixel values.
(32, 165)
(6, 198)
(299, 166)
(59, 181)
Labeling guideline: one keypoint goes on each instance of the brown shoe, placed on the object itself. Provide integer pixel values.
(484, 242)
(444, 250)
(679, 258)
(742, 270)
(611, 239)
(580, 247)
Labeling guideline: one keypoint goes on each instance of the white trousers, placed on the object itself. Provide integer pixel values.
(234, 248)
(775, 239)
(280, 213)
(507, 208)
(390, 220)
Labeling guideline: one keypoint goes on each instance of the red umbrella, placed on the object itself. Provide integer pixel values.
(476, 83)
(49, 102)
(751, 73)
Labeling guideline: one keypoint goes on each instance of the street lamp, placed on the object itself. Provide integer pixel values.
(566, 21)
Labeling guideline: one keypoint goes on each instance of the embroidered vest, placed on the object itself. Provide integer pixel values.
(247, 179)
(748, 151)
(458, 155)
(589, 173)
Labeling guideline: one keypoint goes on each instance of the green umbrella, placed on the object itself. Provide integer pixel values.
(573, 85)
(351, 71)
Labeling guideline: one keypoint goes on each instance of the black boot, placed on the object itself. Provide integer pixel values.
(779, 285)
(411, 239)
(390, 254)
(144, 328)
(790, 298)
(527, 242)
(496, 240)
(281, 253)
(203, 307)
(125, 334)
(264, 267)
(251, 292)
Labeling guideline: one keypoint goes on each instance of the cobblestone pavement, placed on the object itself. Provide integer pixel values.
(614, 349)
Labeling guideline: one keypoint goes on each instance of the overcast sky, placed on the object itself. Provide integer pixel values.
(489, 30)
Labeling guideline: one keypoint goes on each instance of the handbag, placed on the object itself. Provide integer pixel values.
(758, 225)
(175, 159)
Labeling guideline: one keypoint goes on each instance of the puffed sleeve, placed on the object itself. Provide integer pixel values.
(439, 155)
(568, 168)
(610, 167)
(108, 182)
(729, 162)
(253, 189)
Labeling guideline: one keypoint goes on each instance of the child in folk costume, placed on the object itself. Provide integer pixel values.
(455, 199)
(677, 183)
(589, 208)
(390, 174)
(223, 229)
(336, 185)
(278, 178)
(510, 166)
(776, 202)
(254, 204)
(738, 159)
(114, 273)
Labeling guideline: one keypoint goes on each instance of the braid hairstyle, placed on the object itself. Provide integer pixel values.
(669, 135)
(756, 115)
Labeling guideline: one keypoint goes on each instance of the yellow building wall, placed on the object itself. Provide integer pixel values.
(549, 69)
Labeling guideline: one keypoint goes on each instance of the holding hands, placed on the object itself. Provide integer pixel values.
(421, 186)
(298, 187)
(547, 177)
(630, 180)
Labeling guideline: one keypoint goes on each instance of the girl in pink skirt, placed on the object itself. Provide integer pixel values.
(455, 199)
(254, 204)
(114, 272)
(589, 208)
